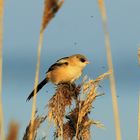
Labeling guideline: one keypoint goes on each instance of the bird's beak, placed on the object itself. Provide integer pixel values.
(87, 62)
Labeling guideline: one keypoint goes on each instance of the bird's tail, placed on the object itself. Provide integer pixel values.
(40, 85)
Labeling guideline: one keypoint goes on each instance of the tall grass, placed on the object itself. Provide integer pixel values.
(110, 65)
(2, 135)
(139, 119)
(50, 9)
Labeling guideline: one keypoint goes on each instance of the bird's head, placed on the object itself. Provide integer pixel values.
(79, 60)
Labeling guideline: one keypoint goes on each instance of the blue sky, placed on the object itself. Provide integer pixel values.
(77, 28)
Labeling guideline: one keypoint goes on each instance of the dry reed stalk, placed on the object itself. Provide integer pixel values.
(78, 123)
(95, 82)
(36, 83)
(86, 105)
(50, 8)
(63, 97)
(13, 131)
(110, 65)
(85, 131)
(68, 133)
(36, 124)
(82, 128)
(139, 119)
(139, 55)
(57, 105)
(2, 135)
(70, 126)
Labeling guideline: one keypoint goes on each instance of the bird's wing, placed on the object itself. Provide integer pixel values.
(62, 60)
(58, 63)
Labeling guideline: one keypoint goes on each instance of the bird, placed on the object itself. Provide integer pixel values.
(65, 70)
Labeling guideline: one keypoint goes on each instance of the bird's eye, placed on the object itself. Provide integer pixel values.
(82, 60)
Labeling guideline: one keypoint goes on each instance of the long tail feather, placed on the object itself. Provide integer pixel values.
(40, 85)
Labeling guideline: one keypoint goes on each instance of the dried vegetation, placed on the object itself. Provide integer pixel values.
(69, 112)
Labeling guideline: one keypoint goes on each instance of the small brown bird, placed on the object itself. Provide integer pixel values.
(66, 69)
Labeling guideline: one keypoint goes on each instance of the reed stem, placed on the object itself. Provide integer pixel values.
(139, 119)
(2, 134)
(110, 66)
(36, 83)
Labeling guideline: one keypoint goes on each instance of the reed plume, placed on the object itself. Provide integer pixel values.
(67, 99)
(86, 105)
(2, 135)
(69, 128)
(36, 124)
(50, 8)
(13, 131)
(110, 65)
(57, 105)
(78, 123)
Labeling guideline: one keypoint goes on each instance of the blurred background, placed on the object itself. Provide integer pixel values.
(76, 28)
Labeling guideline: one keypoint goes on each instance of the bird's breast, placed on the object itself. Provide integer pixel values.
(64, 74)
